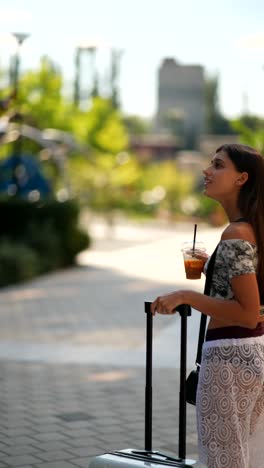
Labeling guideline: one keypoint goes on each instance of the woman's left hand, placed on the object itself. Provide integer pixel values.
(167, 304)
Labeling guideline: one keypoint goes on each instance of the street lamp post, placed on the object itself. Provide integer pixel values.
(17, 167)
(20, 38)
(76, 97)
(114, 75)
(91, 49)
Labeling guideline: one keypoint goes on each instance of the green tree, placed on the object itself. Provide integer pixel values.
(165, 186)
(216, 123)
(41, 99)
(107, 184)
(136, 125)
(101, 127)
(251, 131)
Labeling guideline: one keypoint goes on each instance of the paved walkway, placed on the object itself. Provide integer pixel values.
(72, 352)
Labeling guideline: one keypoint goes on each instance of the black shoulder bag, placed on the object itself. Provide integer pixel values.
(192, 379)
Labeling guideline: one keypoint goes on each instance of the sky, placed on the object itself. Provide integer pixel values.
(226, 37)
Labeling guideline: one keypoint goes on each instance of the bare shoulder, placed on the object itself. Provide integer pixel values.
(239, 231)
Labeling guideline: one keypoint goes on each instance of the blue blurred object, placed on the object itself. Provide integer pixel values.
(21, 176)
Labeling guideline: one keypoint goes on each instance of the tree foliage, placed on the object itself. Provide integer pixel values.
(165, 185)
(40, 97)
(101, 127)
(216, 123)
(136, 125)
(251, 131)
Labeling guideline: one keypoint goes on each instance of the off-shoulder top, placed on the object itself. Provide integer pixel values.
(234, 257)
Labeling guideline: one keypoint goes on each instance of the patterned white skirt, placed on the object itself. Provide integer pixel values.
(230, 403)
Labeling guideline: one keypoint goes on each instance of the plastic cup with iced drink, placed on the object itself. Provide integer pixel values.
(194, 259)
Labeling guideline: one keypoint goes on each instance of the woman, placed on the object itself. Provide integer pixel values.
(230, 395)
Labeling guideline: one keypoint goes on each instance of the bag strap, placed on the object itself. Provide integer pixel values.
(207, 287)
(240, 220)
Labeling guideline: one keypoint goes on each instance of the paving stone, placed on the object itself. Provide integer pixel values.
(84, 451)
(82, 462)
(20, 450)
(19, 432)
(74, 417)
(20, 460)
(80, 442)
(56, 464)
(76, 425)
(53, 455)
(3, 447)
(50, 446)
(26, 466)
(50, 436)
(21, 440)
(79, 433)
(46, 427)
(4, 440)
(44, 419)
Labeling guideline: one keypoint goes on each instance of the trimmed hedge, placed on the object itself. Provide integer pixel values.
(42, 236)
(17, 263)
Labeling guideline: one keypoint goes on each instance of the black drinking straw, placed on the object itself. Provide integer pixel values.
(194, 237)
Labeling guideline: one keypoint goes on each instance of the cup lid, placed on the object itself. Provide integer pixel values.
(188, 245)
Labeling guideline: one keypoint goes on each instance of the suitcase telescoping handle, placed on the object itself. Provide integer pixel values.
(148, 388)
(184, 310)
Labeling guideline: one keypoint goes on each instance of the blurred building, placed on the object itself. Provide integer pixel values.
(181, 101)
(156, 147)
(210, 143)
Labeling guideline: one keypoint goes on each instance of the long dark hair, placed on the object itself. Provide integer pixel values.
(251, 196)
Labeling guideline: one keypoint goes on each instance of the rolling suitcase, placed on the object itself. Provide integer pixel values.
(129, 458)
